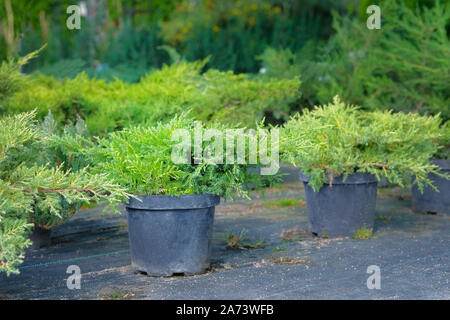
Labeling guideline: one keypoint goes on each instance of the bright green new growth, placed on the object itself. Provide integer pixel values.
(140, 159)
(336, 139)
(284, 203)
(158, 96)
(11, 80)
(413, 54)
(363, 234)
(36, 192)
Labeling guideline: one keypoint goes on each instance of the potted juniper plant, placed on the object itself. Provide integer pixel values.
(436, 199)
(37, 193)
(343, 152)
(57, 148)
(170, 215)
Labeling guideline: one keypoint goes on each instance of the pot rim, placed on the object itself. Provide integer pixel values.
(352, 178)
(166, 202)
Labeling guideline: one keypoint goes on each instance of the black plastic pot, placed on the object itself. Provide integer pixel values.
(171, 235)
(431, 201)
(343, 208)
(40, 237)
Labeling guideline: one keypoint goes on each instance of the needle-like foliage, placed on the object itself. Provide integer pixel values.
(337, 139)
(140, 159)
(37, 192)
(158, 96)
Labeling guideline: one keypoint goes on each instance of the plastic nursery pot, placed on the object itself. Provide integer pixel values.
(431, 201)
(40, 237)
(171, 235)
(343, 208)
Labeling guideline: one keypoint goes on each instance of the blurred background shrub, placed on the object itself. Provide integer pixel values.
(404, 66)
(234, 60)
(212, 96)
(119, 37)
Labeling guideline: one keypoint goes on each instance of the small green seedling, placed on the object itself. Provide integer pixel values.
(363, 234)
(285, 203)
(117, 295)
(235, 242)
(297, 239)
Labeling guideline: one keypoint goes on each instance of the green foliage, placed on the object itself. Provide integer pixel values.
(243, 100)
(161, 94)
(115, 40)
(120, 39)
(336, 139)
(411, 4)
(284, 64)
(339, 66)
(284, 203)
(404, 66)
(280, 63)
(444, 142)
(363, 234)
(63, 146)
(233, 33)
(11, 80)
(130, 53)
(13, 242)
(241, 242)
(15, 15)
(289, 240)
(344, 63)
(65, 68)
(140, 159)
(36, 191)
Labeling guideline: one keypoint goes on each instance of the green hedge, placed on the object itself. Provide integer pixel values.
(158, 96)
(404, 66)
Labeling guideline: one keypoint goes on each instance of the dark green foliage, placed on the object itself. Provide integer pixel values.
(405, 66)
(284, 64)
(413, 54)
(234, 34)
(120, 39)
(131, 53)
(67, 68)
(11, 80)
(444, 142)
